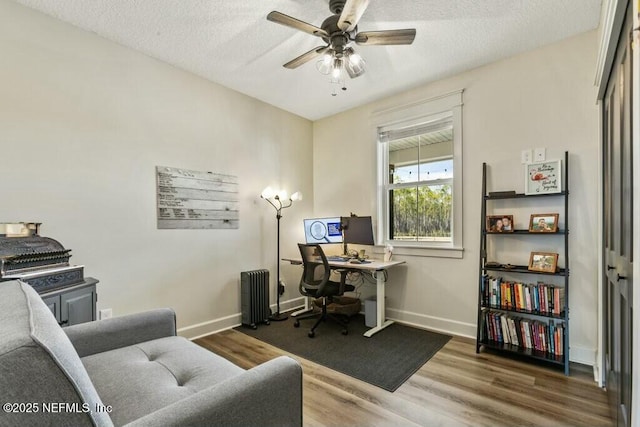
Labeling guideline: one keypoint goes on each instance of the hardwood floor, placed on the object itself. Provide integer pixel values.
(457, 387)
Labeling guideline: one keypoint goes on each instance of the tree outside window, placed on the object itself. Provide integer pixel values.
(420, 187)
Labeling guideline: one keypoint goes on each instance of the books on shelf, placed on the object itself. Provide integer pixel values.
(542, 298)
(543, 336)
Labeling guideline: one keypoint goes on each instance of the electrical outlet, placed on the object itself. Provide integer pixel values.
(525, 156)
(106, 313)
(540, 154)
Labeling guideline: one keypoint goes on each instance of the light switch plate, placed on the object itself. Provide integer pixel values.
(525, 156)
(540, 154)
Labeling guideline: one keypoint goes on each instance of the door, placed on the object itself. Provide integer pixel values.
(617, 229)
(78, 306)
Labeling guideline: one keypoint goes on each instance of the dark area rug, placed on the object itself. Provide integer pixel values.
(386, 360)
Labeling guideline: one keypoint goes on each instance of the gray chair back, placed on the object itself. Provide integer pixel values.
(316, 271)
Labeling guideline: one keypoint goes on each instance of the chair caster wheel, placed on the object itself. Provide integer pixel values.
(267, 322)
(296, 324)
(311, 334)
(254, 327)
(345, 332)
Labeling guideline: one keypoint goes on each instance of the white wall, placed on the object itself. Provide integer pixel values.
(543, 98)
(83, 124)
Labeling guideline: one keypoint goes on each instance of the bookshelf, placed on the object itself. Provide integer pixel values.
(521, 311)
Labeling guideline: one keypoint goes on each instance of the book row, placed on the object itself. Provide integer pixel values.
(532, 334)
(536, 298)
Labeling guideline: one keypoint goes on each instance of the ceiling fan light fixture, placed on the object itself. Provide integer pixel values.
(338, 31)
(354, 64)
(337, 68)
(325, 64)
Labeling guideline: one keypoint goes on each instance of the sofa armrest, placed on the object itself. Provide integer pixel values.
(269, 394)
(104, 335)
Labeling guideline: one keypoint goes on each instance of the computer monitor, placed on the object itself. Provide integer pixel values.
(357, 230)
(323, 230)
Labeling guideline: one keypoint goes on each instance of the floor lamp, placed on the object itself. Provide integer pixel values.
(275, 199)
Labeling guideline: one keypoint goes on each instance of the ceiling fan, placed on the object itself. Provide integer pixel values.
(338, 31)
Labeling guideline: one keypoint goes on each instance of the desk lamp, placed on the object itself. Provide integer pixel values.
(275, 199)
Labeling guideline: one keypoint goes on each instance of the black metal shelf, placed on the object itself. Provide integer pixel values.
(523, 196)
(522, 269)
(529, 352)
(507, 233)
(561, 316)
(482, 338)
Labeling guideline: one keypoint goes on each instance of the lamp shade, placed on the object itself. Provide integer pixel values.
(296, 196)
(268, 193)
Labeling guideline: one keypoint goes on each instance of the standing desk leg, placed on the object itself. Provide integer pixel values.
(306, 308)
(380, 322)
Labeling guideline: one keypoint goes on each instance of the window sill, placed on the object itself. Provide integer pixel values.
(424, 251)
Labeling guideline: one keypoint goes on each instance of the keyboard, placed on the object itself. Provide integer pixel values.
(337, 258)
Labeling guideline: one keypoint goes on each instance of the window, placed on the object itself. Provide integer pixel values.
(420, 177)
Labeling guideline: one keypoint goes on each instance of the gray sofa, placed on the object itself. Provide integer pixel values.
(131, 370)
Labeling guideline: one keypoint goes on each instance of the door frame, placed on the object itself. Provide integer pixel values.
(635, 142)
(612, 21)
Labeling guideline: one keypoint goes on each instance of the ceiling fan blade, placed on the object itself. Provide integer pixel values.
(386, 37)
(281, 18)
(351, 14)
(306, 57)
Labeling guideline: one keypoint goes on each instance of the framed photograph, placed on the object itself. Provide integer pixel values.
(543, 223)
(546, 262)
(500, 223)
(543, 177)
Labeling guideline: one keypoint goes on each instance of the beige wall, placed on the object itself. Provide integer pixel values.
(83, 124)
(544, 98)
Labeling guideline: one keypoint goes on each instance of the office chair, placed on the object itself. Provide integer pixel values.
(315, 283)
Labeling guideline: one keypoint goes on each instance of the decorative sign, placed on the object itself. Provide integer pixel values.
(193, 199)
(543, 177)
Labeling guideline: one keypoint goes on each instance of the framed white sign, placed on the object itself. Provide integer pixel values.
(189, 199)
(543, 177)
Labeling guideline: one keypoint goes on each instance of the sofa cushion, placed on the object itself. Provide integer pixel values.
(143, 378)
(39, 365)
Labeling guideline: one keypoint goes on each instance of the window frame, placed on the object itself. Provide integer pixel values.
(433, 109)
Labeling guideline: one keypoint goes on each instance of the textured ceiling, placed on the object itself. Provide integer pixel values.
(231, 43)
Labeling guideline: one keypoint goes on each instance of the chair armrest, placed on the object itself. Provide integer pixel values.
(104, 335)
(269, 394)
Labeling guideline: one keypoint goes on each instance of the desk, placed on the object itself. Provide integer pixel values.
(374, 266)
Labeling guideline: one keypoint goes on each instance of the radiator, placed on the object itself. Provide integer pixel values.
(254, 297)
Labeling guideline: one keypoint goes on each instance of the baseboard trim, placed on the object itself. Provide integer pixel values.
(436, 324)
(213, 326)
(289, 305)
(583, 355)
(200, 330)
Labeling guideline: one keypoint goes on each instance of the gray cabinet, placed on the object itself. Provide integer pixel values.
(74, 304)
